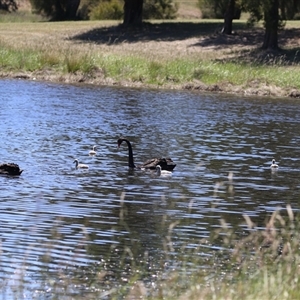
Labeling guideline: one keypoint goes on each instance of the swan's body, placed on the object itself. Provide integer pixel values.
(80, 166)
(274, 165)
(10, 169)
(160, 172)
(165, 163)
(93, 152)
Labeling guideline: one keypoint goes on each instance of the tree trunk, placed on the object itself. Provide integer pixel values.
(271, 16)
(133, 10)
(228, 17)
(71, 9)
(59, 12)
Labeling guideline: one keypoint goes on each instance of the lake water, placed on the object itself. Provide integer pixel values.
(56, 219)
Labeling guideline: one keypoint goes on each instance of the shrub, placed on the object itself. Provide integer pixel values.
(160, 9)
(107, 10)
(216, 9)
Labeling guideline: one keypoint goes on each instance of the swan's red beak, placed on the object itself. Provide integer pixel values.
(119, 142)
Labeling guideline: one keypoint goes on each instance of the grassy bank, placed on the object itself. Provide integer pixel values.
(186, 55)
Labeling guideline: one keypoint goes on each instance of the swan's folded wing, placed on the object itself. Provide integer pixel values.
(150, 164)
(165, 163)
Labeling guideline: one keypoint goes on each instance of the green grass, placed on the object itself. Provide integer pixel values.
(19, 17)
(19, 60)
(160, 72)
(209, 72)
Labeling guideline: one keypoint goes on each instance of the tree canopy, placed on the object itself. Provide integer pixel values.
(8, 5)
(57, 10)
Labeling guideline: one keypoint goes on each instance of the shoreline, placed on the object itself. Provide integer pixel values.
(256, 89)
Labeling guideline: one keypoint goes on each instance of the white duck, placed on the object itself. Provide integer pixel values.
(93, 152)
(160, 172)
(274, 165)
(80, 166)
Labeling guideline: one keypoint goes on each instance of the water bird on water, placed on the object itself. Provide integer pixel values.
(274, 165)
(80, 166)
(165, 163)
(10, 169)
(93, 152)
(163, 173)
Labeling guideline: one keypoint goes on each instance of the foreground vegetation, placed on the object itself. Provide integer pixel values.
(256, 263)
(181, 55)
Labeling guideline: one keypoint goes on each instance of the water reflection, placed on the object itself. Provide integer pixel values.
(55, 216)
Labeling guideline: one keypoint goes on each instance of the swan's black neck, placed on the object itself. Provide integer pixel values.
(130, 155)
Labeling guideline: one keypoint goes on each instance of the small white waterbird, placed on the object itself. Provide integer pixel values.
(160, 172)
(80, 166)
(93, 152)
(274, 165)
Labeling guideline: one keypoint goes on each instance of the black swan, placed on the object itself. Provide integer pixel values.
(165, 163)
(10, 169)
(80, 166)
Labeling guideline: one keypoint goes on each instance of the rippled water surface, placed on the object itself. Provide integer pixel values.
(54, 216)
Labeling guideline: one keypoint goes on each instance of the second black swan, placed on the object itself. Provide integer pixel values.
(10, 169)
(165, 163)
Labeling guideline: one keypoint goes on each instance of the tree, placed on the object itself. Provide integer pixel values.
(267, 10)
(133, 10)
(289, 8)
(57, 10)
(71, 9)
(217, 9)
(271, 23)
(272, 12)
(8, 5)
(228, 17)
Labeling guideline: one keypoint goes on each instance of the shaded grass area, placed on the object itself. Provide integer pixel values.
(163, 31)
(180, 55)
